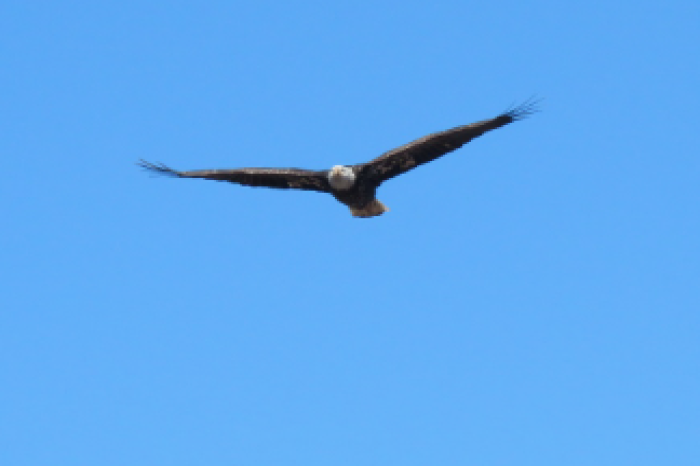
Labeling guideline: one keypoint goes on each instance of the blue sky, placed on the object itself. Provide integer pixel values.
(531, 299)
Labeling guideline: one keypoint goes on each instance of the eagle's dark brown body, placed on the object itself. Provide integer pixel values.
(360, 195)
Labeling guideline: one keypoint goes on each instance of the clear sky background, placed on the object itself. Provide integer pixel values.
(531, 299)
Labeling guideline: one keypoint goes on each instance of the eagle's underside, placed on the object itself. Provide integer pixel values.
(373, 209)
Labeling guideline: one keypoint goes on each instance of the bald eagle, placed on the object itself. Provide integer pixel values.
(356, 185)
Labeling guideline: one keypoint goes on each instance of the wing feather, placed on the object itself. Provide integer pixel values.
(433, 146)
(281, 178)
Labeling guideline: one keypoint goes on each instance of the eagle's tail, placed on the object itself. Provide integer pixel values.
(158, 168)
(372, 209)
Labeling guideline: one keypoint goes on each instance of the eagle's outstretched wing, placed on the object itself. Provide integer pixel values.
(429, 148)
(283, 178)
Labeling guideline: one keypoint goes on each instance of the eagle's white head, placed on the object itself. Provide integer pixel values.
(341, 177)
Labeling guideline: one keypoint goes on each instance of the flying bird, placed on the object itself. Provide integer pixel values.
(356, 185)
